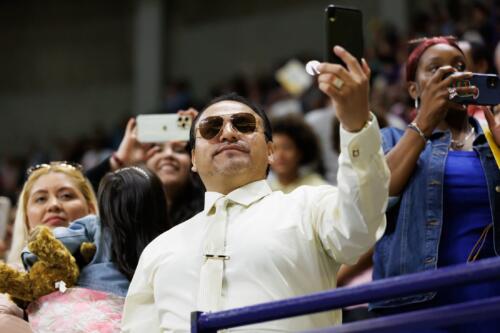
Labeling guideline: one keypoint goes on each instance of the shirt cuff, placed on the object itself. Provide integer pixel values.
(363, 143)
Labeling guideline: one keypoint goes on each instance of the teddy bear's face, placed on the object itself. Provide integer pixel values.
(54, 201)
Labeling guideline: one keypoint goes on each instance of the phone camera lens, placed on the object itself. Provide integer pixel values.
(492, 82)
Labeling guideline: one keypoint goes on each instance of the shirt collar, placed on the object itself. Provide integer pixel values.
(244, 195)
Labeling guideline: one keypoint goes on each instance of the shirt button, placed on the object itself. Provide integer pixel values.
(497, 188)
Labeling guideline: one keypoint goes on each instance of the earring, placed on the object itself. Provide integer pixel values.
(417, 103)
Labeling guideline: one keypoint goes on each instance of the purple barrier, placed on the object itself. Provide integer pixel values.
(479, 271)
(423, 319)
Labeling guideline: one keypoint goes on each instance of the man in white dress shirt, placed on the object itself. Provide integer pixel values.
(251, 245)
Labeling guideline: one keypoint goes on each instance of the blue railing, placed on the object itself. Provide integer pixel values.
(427, 281)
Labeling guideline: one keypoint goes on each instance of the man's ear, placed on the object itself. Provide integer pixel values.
(270, 152)
(413, 89)
(193, 163)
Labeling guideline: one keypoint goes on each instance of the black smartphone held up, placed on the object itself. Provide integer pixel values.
(488, 86)
(344, 27)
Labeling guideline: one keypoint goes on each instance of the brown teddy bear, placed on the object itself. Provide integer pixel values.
(55, 264)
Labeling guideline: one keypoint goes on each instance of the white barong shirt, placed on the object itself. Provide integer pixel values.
(280, 245)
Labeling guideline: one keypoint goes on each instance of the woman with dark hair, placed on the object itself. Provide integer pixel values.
(297, 154)
(444, 185)
(133, 211)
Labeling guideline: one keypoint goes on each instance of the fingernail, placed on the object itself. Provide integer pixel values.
(339, 48)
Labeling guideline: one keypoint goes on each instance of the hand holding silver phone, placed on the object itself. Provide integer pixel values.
(163, 127)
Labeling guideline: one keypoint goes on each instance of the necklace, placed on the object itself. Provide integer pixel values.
(459, 144)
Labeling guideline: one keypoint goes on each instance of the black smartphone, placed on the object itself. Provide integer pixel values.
(344, 27)
(488, 86)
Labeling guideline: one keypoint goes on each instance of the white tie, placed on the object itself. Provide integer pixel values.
(212, 270)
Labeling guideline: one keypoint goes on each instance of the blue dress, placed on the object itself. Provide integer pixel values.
(467, 215)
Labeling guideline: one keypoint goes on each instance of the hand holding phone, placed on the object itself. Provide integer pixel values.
(488, 90)
(163, 127)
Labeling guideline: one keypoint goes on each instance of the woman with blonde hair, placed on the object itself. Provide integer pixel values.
(54, 195)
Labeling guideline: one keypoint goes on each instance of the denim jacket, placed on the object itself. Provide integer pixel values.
(101, 273)
(414, 220)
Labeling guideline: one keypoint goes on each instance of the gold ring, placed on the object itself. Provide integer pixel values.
(338, 83)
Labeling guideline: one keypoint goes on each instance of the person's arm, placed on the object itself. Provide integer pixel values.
(82, 230)
(130, 152)
(357, 219)
(9, 307)
(349, 272)
(361, 198)
(11, 317)
(10, 323)
(402, 159)
(139, 312)
(435, 103)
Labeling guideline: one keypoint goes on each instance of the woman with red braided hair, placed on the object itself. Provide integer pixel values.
(444, 187)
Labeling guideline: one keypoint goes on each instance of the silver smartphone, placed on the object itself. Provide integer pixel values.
(163, 127)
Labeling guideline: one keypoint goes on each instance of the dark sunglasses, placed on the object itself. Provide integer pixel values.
(244, 123)
(64, 164)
